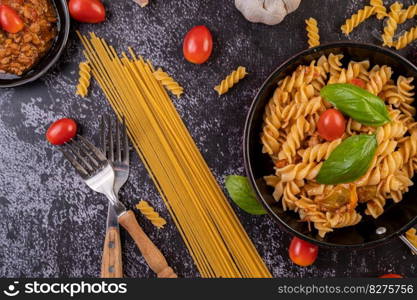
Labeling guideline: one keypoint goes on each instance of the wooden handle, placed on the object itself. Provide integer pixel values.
(150, 252)
(111, 262)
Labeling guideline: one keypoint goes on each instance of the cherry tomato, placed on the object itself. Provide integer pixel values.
(331, 125)
(391, 276)
(302, 253)
(197, 45)
(61, 131)
(10, 21)
(358, 82)
(87, 11)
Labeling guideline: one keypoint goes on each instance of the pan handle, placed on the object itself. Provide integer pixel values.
(409, 244)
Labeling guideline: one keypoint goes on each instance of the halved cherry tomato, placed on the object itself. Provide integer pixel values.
(61, 131)
(331, 125)
(358, 82)
(10, 21)
(198, 44)
(87, 11)
(303, 253)
(391, 276)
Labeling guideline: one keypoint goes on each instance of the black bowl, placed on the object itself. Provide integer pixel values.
(51, 57)
(396, 219)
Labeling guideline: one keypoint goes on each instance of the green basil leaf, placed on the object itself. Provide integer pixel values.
(349, 161)
(241, 193)
(357, 103)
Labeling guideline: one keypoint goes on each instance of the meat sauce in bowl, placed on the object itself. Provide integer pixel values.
(20, 51)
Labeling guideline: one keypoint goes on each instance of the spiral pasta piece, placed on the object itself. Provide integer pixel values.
(396, 182)
(299, 171)
(168, 82)
(319, 152)
(289, 197)
(309, 212)
(380, 9)
(393, 129)
(84, 79)
(339, 220)
(407, 14)
(358, 18)
(375, 207)
(294, 139)
(378, 79)
(408, 148)
(405, 89)
(406, 39)
(312, 32)
(270, 133)
(149, 213)
(231, 80)
(297, 110)
(392, 24)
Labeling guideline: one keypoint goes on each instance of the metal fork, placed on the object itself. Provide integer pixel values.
(117, 150)
(111, 263)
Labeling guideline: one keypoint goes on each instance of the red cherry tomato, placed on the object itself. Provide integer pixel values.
(331, 125)
(10, 21)
(61, 131)
(303, 253)
(358, 82)
(391, 276)
(197, 45)
(87, 11)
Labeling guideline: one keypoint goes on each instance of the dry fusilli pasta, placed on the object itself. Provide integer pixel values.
(168, 82)
(406, 39)
(84, 79)
(148, 211)
(358, 18)
(392, 23)
(380, 9)
(231, 80)
(312, 32)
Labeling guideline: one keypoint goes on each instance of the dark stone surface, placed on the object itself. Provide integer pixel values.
(52, 224)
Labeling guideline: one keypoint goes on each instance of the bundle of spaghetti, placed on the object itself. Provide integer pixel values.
(205, 219)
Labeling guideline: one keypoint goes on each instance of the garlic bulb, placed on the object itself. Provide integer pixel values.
(270, 12)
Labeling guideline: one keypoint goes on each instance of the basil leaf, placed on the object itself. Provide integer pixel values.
(241, 193)
(349, 161)
(357, 103)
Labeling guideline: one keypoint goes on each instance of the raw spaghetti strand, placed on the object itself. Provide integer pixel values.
(210, 229)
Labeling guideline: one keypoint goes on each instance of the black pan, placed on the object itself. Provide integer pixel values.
(396, 219)
(51, 57)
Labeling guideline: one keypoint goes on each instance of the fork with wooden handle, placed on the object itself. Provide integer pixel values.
(98, 173)
(115, 145)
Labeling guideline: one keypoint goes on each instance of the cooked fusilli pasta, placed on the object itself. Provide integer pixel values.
(358, 18)
(312, 32)
(168, 82)
(289, 136)
(149, 213)
(84, 79)
(231, 80)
